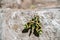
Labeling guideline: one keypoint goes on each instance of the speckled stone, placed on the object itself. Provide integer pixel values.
(12, 23)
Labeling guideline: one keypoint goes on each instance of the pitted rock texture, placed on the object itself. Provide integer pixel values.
(13, 20)
(25, 4)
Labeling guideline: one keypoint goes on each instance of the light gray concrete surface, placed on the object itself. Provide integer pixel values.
(12, 23)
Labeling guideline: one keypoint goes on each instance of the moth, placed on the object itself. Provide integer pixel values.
(34, 25)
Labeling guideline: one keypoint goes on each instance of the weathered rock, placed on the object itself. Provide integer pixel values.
(27, 3)
(13, 20)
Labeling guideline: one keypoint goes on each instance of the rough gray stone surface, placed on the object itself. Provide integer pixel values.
(12, 23)
(28, 3)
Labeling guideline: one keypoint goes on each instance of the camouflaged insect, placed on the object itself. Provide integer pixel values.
(34, 25)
